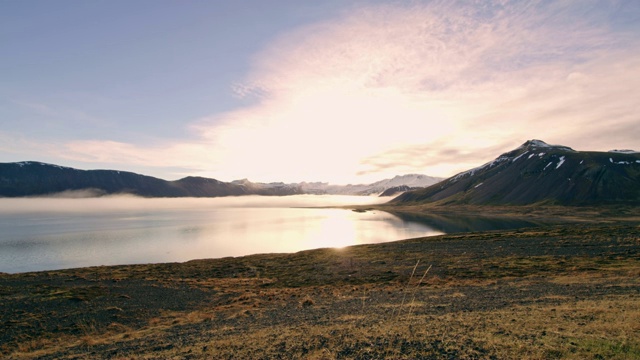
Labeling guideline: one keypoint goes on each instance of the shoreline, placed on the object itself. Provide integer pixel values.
(557, 213)
(537, 215)
(509, 293)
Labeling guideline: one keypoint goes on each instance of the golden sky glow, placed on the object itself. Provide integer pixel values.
(432, 87)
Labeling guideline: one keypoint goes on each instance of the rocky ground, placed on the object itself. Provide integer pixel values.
(562, 291)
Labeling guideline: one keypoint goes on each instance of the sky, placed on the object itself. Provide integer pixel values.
(334, 91)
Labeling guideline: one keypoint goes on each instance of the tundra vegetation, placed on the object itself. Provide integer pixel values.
(569, 290)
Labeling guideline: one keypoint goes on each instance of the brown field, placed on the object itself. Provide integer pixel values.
(567, 291)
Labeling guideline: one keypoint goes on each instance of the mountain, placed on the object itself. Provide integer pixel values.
(537, 172)
(32, 178)
(275, 188)
(395, 190)
(35, 178)
(378, 187)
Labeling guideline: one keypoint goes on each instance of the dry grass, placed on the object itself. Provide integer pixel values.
(559, 292)
(607, 328)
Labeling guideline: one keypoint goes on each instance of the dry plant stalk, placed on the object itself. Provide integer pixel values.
(404, 291)
(413, 298)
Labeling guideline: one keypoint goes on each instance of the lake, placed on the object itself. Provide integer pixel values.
(55, 233)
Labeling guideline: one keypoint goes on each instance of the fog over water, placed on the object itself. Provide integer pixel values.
(57, 233)
(54, 233)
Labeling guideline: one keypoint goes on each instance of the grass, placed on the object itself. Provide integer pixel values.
(520, 332)
(563, 291)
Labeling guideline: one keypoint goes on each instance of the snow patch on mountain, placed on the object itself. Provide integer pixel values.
(624, 162)
(488, 165)
(535, 144)
(29, 163)
(538, 143)
(519, 156)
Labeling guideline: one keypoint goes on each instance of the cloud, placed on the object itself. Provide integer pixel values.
(184, 155)
(430, 87)
(382, 86)
(436, 156)
(175, 159)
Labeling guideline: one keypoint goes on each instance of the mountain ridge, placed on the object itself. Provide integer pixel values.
(537, 172)
(33, 178)
(376, 188)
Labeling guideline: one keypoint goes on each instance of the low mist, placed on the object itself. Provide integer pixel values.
(78, 202)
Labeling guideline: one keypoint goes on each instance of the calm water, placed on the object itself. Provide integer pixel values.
(41, 234)
(45, 234)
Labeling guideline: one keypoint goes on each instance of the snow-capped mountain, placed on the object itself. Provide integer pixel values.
(537, 172)
(378, 187)
(411, 180)
(275, 188)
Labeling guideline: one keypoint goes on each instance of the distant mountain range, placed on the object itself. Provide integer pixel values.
(534, 173)
(32, 178)
(376, 188)
(539, 173)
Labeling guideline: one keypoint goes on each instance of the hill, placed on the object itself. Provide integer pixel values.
(32, 178)
(36, 178)
(537, 172)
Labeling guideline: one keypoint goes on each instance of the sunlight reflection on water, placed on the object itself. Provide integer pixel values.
(43, 234)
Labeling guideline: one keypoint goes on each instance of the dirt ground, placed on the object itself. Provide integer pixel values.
(563, 291)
